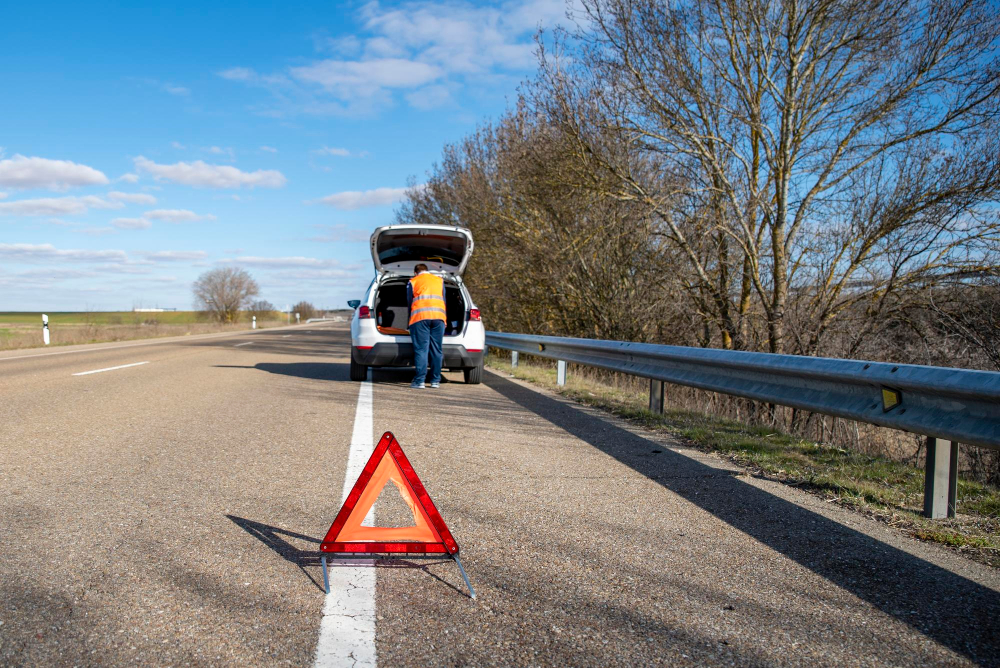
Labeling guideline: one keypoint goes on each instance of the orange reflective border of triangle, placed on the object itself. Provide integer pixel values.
(429, 534)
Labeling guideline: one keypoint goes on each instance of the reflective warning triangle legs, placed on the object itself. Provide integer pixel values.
(429, 535)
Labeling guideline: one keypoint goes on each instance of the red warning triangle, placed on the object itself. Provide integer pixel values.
(428, 533)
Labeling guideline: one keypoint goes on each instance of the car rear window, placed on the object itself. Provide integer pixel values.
(421, 247)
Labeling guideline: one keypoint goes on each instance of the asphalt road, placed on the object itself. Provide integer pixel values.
(168, 513)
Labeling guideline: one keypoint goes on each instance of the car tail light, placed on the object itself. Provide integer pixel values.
(474, 314)
(364, 312)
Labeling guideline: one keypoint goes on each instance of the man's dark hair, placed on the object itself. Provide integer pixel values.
(419, 268)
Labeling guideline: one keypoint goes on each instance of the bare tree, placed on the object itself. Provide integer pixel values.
(971, 313)
(828, 152)
(261, 308)
(305, 310)
(224, 292)
(551, 258)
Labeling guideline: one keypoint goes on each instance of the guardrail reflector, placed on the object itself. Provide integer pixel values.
(890, 399)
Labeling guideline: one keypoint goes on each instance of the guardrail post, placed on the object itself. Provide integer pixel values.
(561, 372)
(656, 396)
(940, 478)
(513, 360)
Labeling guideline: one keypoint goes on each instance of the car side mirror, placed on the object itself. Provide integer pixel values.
(354, 303)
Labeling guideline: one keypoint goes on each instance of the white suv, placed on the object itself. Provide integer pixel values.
(379, 335)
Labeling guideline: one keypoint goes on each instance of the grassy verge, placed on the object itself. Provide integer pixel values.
(102, 318)
(888, 490)
(19, 330)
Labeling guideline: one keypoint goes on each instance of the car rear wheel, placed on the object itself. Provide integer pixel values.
(474, 374)
(358, 371)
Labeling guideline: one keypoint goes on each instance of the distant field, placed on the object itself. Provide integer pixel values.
(24, 330)
(101, 318)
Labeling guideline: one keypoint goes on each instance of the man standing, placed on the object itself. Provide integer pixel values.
(428, 313)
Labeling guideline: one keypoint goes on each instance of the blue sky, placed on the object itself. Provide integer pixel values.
(143, 145)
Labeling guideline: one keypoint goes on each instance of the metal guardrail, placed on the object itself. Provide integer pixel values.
(944, 404)
(336, 318)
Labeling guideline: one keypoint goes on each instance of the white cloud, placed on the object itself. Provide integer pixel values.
(238, 74)
(326, 150)
(173, 256)
(203, 175)
(429, 97)
(349, 200)
(217, 150)
(128, 178)
(49, 253)
(3, 195)
(347, 45)
(177, 145)
(269, 149)
(24, 172)
(345, 78)
(131, 198)
(341, 234)
(131, 223)
(176, 90)
(56, 206)
(95, 231)
(298, 261)
(57, 274)
(176, 215)
(408, 46)
(319, 278)
(130, 268)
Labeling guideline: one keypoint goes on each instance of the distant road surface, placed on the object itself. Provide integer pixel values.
(161, 503)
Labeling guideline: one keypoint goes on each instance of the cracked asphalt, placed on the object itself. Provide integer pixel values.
(168, 514)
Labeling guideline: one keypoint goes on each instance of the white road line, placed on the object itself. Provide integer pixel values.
(111, 368)
(347, 631)
(285, 336)
(242, 344)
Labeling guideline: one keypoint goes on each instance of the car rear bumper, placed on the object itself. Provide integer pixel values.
(401, 354)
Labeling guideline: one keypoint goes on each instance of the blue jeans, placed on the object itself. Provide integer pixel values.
(427, 336)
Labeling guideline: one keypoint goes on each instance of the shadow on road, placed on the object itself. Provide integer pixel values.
(308, 370)
(275, 538)
(954, 611)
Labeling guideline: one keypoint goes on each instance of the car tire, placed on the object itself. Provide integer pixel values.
(358, 371)
(473, 374)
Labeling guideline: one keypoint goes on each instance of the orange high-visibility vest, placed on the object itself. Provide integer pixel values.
(428, 298)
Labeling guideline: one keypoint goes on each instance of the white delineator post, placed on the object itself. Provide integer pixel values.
(45, 329)
(254, 325)
(296, 318)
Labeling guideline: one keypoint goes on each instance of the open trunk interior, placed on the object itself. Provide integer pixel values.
(392, 315)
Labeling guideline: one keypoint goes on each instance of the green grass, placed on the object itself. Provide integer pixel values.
(889, 490)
